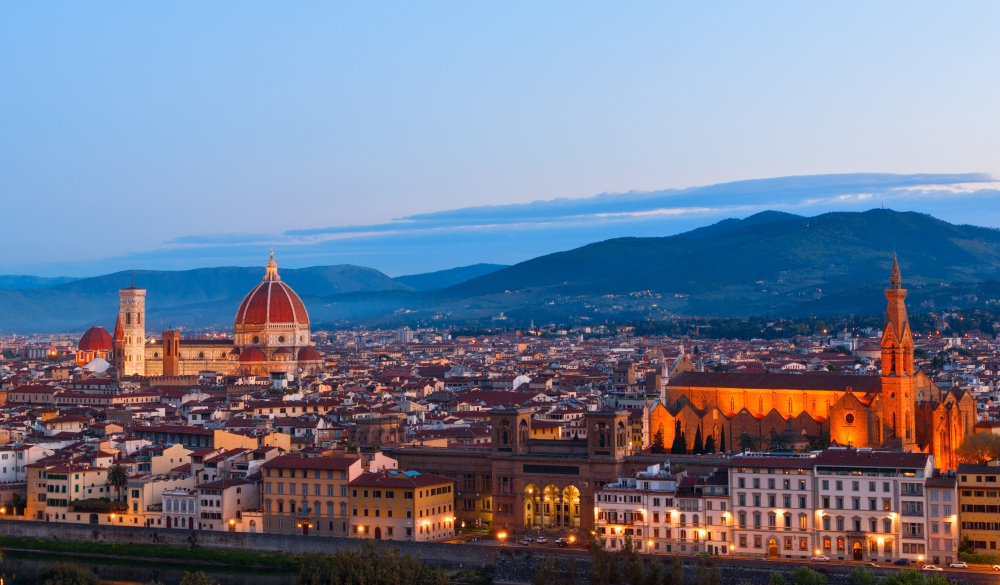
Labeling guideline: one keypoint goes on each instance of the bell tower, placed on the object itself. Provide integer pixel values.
(132, 318)
(511, 430)
(898, 400)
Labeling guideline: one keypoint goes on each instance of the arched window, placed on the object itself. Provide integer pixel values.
(908, 428)
(790, 407)
(732, 405)
(683, 519)
(760, 404)
(694, 519)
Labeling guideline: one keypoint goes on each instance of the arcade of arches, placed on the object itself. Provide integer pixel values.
(551, 507)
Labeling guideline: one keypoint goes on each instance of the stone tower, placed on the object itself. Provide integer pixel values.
(511, 430)
(132, 318)
(898, 400)
(171, 353)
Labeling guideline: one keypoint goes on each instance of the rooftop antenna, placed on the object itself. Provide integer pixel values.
(133, 278)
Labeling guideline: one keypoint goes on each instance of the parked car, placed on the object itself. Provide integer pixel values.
(931, 568)
(959, 565)
(872, 565)
(820, 559)
(996, 567)
(541, 540)
(901, 562)
(586, 544)
(526, 541)
(561, 542)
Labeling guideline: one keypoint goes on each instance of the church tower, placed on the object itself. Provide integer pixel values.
(131, 319)
(898, 400)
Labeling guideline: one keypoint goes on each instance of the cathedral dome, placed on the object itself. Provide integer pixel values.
(309, 354)
(252, 355)
(271, 302)
(96, 339)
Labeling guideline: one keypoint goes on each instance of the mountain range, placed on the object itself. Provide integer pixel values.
(771, 263)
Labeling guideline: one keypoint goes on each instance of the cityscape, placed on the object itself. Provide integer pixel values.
(515, 294)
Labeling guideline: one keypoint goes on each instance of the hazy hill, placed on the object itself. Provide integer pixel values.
(17, 281)
(210, 295)
(446, 278)
(767, 262)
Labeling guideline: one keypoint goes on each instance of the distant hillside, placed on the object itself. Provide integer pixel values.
(446, 278)
(765, 263)
(210, 294)
(15, 282)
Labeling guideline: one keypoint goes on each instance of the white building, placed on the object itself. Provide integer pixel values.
(842, 503)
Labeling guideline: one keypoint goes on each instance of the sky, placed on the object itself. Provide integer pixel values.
(414, 136)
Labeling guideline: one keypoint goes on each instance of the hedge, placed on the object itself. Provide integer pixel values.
(979, 558)
(283, 562)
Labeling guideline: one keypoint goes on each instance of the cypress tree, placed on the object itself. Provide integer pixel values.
(722, 441)
(657, 445)
(710, 444)
(699, 442)
(679, 446)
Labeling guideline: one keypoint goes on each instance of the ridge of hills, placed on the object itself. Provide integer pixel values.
(771, 263)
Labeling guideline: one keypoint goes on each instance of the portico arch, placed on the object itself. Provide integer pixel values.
(532, 506)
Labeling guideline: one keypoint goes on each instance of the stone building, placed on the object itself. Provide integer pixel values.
(901, 409)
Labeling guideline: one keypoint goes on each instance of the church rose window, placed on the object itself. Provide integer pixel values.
(849, 418)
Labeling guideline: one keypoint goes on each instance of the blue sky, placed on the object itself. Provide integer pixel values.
(196, 134)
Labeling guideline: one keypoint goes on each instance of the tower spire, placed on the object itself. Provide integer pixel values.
(895, 280)
(272, 269)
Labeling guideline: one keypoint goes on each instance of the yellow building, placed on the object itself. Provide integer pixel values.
(402, 505)
(308, 494)
(979, 512)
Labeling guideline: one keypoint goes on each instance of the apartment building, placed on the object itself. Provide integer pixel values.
(402, 505)
(664, 513)
(942, 518)
(641, 509)
(978, 487)
(221, 503)
(773, 506)
(873, 504)
(308, 494)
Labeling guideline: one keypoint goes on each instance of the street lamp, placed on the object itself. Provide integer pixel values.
(501, 536)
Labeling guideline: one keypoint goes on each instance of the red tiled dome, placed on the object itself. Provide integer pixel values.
(96, 339)
(271, 301)
(252, 354)
(309, 354)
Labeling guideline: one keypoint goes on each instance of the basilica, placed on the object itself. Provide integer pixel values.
(271, 337)
(901, 409)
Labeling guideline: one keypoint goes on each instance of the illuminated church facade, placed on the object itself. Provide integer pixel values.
(901, 409)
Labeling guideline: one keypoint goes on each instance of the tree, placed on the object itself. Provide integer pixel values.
(118, 478)
(722, 441)
(747, 442)
(710, 444)
(196, 578)
(699, 442)
(862, 576)
(66, 574)
(679, 446)
(806, 576)
(657, 445)
(373, 563)
(708, 574)
(979, 448)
